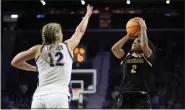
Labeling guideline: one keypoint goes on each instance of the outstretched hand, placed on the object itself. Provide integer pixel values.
(89, 10)
(142, 23)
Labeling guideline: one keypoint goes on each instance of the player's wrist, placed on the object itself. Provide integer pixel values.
(143, 27)
(128, 36)
(87, 16)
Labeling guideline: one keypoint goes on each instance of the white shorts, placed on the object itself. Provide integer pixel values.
(51, 101)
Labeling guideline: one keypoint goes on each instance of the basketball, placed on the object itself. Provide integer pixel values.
(133, 27)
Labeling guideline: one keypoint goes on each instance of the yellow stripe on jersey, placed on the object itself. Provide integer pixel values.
(124, 58)
(147, 60)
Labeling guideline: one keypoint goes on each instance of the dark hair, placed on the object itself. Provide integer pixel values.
(153, 48)
(50, 35)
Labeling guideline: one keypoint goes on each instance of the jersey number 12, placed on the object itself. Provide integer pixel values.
(134, 67)
(58, 62)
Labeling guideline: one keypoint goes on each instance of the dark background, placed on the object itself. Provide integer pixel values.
(165, 24)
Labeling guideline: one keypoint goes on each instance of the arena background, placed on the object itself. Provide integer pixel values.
(23, 20)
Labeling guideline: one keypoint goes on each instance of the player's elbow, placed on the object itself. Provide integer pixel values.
(15, 63)
(113, 49)
(117, 54)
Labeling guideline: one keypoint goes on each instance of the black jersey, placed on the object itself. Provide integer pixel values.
(136, 72)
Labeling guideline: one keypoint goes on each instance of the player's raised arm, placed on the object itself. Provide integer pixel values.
(117, 47)
(80, 29)
(144, 39)
(19, 61)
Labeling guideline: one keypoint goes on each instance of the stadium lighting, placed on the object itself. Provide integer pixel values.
(82, 2)
(106, 8)
(167, 1)
(128, 1)
(43, 2)
(40, 16)
(14, 16)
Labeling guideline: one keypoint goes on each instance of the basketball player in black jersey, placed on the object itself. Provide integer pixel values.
(137, 63)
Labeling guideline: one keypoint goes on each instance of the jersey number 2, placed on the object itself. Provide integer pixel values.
(60, 57)
(134, 67)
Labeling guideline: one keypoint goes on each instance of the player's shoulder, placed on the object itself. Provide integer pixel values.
(36, 47)
(68, 43)
(151, 57)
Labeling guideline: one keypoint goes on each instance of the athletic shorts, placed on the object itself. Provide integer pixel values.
(50, 101)
(133, 101)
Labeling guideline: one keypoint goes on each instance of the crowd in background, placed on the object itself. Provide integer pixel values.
(16, 99)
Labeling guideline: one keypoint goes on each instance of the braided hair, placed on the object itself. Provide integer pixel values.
(50, 35)
(153, 48)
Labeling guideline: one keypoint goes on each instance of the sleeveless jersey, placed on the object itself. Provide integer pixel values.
(136, 72)
(54, 78)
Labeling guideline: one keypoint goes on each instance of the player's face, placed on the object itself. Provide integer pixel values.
(136, 45)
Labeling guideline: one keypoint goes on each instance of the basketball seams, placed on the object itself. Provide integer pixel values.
(136, 32)
(132, 26)
(135, 21)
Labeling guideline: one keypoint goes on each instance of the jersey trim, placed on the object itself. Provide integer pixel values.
(123, 59)
(68, 51)
(37, 58)
(147, 60)
(70, 91)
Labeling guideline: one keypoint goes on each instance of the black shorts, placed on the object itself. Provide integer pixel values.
(133, 101)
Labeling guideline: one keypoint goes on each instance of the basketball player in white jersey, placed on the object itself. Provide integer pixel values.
(54, 63)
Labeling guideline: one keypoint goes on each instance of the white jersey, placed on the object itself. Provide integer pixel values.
(55, 78)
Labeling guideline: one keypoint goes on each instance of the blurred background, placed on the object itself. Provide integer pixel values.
(96, 72)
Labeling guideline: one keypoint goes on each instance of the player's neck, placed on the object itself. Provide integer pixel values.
(59, 41)
(134, 53)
